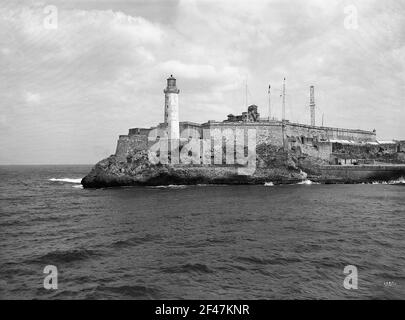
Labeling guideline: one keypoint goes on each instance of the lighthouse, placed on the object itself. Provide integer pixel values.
(172, 108)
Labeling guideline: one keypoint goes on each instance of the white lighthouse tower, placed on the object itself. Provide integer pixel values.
(172, 109)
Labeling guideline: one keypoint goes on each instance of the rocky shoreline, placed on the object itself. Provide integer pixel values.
(272, 166)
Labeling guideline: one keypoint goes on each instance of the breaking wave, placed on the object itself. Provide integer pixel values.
(171, 186)
(398, 181)
(68, 180)
(308, 182)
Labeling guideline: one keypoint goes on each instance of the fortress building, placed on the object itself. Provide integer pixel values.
(330, 144)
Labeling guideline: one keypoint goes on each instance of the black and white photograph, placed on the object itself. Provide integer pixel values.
(196, 150)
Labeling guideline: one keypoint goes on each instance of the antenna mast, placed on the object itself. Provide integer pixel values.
(312, 104)
(246, 93)
(283, 111)
(269, 103)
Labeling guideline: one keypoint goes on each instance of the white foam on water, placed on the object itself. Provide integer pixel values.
(77, 186)
(171, 186)
(399, 181)
(269, 184)
(68, 180)
(307, 182)
(380, 182)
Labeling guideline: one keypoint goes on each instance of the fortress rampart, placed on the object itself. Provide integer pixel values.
(128, 144)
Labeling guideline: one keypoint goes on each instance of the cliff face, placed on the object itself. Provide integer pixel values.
(272, 164)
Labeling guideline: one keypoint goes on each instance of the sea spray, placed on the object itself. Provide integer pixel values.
(68, 180)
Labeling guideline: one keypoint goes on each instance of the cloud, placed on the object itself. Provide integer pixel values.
(32, 98)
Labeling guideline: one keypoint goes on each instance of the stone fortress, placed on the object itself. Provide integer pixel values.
(333, 146)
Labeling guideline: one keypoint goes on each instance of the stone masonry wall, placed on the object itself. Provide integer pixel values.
(310, 140)
(129, 144)
(325, 133)
(269, 133)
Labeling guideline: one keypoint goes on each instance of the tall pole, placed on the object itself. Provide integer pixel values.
(312, 104)
(246, 93)
(283, 113)
(269, 103)
(283, 117)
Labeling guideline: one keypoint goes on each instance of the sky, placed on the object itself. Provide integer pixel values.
(70, 83)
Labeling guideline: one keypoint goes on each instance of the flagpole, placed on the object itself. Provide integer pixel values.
(269, 103)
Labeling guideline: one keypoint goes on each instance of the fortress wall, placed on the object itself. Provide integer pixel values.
(270, 134)
(310, 146)
(129, 144)
(401, 146)
(265, 132)
(307, 132)
(188, 129)
(139, 131)
(324, 133)
(122, 147)
(321, 150)
(354, 135)
(310, 140)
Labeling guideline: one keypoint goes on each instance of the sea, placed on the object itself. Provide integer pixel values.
(198, 242)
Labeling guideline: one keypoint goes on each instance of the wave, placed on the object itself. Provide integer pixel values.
(69, 180)
(134, 241)
(188, 268)
(308, 182)
(399, 181)
(171, 186)
(267, 261)
(132, 291)
(65, 256)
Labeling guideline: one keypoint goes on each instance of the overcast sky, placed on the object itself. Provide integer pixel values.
(67, 93)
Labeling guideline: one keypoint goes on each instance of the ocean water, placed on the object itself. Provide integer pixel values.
(197, 242)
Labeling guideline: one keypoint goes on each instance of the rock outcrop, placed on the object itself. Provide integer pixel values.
(272, 164)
